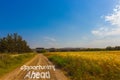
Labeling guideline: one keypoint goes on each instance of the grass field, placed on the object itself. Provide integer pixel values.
(8, 62)
(89, 65)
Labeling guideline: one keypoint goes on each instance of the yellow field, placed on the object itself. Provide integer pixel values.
(89, 65)
(112, 56)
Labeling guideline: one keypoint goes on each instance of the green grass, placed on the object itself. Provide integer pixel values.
(88, 65)
(9, 62)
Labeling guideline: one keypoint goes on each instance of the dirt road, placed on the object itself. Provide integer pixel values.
(41, 60)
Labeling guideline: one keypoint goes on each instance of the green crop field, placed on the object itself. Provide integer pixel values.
(88, 65)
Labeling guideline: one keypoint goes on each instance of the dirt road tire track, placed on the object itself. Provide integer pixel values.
(39, 59)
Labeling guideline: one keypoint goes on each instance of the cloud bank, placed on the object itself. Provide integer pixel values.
(113, 29)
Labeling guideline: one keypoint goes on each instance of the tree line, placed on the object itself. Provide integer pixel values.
(13, 43)
(113, 48)
(109, 48)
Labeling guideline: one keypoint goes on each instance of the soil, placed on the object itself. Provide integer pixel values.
(39, 59)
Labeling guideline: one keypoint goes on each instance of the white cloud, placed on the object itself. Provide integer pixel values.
(114, 24)
(105, 31)
(51, 42)
(104, 42)
(108, 34)
(49, 39)
(114, 18)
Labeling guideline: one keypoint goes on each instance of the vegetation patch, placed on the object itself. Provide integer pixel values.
(9, 62)
(88, 65)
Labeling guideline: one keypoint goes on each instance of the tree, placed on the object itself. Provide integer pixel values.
(13, 43)
(117, 47)
(109, 48)
(3, 45)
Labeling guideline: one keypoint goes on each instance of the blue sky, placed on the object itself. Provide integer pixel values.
(62, 23)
